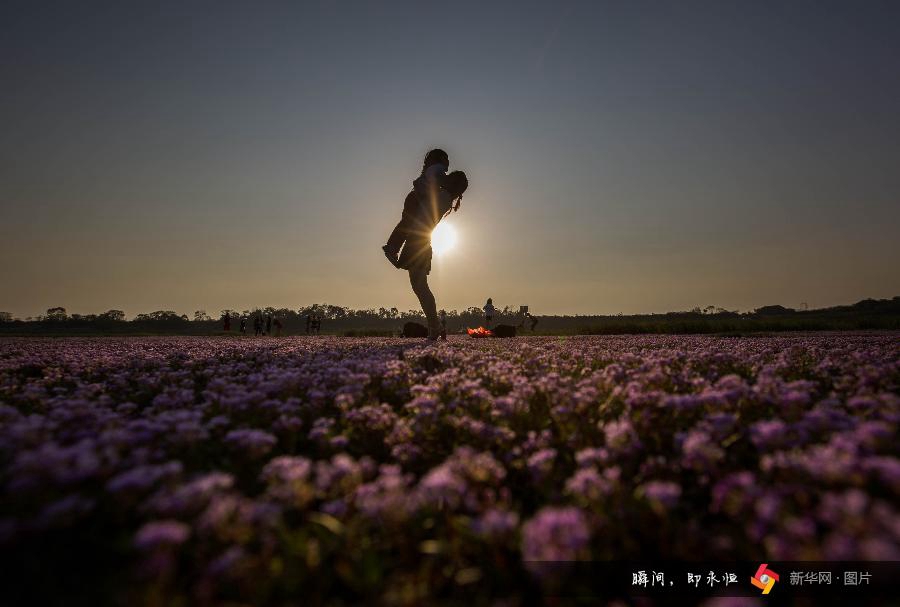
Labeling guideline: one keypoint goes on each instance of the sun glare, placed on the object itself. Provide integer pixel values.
(443, 238)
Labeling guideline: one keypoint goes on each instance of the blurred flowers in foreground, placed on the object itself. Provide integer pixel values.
(207, 471)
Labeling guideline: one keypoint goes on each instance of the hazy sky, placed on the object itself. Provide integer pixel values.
(622, 156)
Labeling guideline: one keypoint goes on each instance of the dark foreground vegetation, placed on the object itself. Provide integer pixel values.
(869, 314)
(208, 472)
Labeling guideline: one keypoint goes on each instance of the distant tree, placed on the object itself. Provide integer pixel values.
(6, 317)
(161, 315)
(229, 313)
(113, 315)
(774, 310)
(201, 316)
(285, 313)
(56, 313)
(335, 312)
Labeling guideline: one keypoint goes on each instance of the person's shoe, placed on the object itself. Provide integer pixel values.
(391, 257)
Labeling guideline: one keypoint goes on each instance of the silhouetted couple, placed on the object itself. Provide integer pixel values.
(434, 195)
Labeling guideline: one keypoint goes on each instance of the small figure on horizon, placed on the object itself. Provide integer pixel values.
(243, 325)
(268, 324)
(277, 323)
(425, 187)
(489, 312)
(308, 323)
(526, 315)
(442, 317)
(227, 322)
(257, 325)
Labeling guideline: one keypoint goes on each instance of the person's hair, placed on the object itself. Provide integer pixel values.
(456, 183)
(489, 302)
(436, 156)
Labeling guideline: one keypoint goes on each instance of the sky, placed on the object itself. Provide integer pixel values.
(623, 157)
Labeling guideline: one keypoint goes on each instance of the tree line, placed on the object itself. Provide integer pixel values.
(883, 314)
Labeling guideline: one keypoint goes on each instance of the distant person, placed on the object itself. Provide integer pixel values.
(416, 254)
(308, 324)
(268, 324)
(227, 323)
(277, 323)
(526, 316)
(243, 326)
(443, 319)
(316, 325)
(489, 313)
(425, 186)
(257, 325)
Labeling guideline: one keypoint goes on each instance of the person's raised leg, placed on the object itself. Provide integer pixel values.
(395, 240)
(419, 282)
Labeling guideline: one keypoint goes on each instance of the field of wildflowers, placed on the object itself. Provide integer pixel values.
(158, 471)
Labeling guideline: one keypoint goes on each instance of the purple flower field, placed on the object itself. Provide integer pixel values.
(157, 471)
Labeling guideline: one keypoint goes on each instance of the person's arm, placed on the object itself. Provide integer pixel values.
(430, 179)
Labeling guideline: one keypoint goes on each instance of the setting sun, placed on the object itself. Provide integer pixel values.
(443, 238)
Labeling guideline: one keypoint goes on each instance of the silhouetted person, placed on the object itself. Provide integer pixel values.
(308, 323)
(416, 254)
(489, 313)
(257, 325)
(227, 322)
(277, 323)
(526, 316)
(268, 324)
(443, 320)
(425, 186)
(243, 326)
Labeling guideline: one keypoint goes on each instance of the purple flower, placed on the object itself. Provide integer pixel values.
(541, 463)
(700, 452)
(164, 533)
(143, 478)
(442, 487)
(588, 484)
(662, 494)
(621, 436)
(495, 523)
(254, 443)
(286, 469)
(555, 534)
(768, 434)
